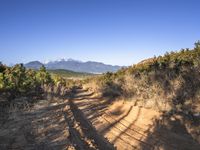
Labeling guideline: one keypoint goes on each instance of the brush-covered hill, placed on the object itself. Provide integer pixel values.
(169, 84)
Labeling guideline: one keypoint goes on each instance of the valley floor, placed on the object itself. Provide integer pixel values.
(86, 121)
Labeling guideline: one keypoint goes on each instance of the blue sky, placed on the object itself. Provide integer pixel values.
(118, 32)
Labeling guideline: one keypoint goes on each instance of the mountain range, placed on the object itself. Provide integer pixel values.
(74, 65)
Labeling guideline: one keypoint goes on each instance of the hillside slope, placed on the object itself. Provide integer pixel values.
(169, 84)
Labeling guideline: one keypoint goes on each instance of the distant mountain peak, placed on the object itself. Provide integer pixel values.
(34, 62)
(70, 59)
(75, 65)
(61, 60)
(34, 65)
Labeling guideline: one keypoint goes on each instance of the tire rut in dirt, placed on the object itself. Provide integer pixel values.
(75, 136)
(88, 129)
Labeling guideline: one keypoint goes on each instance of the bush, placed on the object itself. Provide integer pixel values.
(18, 80)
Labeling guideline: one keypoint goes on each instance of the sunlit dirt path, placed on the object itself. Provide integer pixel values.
(84, 121)
(131, 127)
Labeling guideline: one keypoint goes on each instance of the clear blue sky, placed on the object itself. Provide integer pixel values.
(118, 32)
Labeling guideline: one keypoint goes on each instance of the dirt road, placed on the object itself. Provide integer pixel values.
(50, 124)
(85, 121)
(131, 127)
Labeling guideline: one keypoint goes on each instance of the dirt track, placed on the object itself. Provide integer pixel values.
(130, 127)
(85, 121)
(51, 124)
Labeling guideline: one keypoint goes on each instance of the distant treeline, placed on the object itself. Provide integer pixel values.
(70, 74)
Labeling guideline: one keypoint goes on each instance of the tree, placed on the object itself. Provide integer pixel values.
(2, 67)
(30, 81)
(2, 85)
(197, 45)
(14, 77)
(58, 80)
(19, 72)
(43, 76)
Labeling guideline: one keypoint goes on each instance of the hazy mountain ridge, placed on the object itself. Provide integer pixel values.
(34, 65)
(74, 65)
